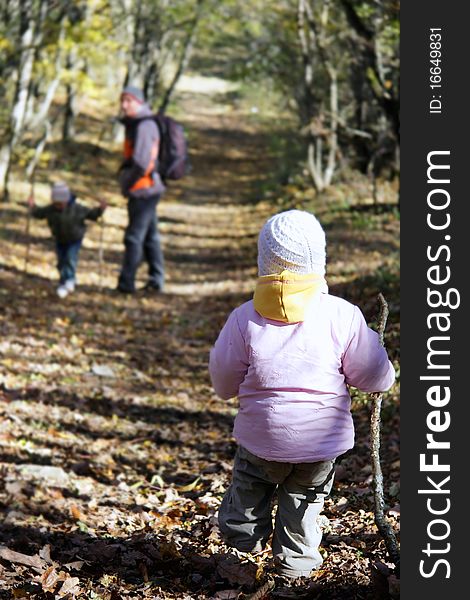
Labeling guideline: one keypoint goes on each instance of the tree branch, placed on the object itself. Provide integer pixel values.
(381, 521)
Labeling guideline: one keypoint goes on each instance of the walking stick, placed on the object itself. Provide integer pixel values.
(101, 254)
(381, 521)
(100, 245)
(97, 152)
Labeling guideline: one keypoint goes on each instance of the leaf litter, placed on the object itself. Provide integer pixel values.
(114, 450)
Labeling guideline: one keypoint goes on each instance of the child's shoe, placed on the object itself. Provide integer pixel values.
(62, 291)
(69, 285)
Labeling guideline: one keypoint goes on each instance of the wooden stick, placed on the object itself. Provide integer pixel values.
(381, 521)
(101, 254)
(100, 244)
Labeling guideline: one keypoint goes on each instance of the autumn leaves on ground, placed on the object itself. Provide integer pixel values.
(114, 449)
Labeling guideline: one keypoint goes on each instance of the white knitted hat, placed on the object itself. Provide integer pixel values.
(60, 192)
(294, 241)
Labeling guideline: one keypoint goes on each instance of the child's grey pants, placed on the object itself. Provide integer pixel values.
(245, 515)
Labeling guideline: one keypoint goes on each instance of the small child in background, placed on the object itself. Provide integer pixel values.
(66, 219)
(289, 354)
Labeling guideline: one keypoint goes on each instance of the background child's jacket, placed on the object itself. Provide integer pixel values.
(67, 225)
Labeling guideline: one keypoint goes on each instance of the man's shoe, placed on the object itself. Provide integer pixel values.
(122, 290)
(152, 288)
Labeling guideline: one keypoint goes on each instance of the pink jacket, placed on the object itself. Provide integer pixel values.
(291, 378)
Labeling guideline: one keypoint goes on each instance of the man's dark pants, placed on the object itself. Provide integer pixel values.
(142, 240)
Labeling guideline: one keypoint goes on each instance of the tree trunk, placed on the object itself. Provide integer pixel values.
(34, 91)
(133, 76)
(136, 28)
(367, 46)
(307, 104)
(358, 85)
(184, 59)
(33, 96)
(314, 164)
(42, 112)
(32, 17)
(18, 112)
(313, 43)
(31, 168)
(68, 128)
(333, 135)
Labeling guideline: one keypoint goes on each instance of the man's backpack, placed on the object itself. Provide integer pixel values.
(173, 158)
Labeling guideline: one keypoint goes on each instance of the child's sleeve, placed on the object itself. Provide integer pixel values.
(365, 362)
(39, 212)
(228, 361)
(93, 214)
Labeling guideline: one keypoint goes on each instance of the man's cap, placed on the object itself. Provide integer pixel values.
(135, 92)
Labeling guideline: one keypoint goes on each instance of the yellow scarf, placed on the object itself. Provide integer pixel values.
(284, 297)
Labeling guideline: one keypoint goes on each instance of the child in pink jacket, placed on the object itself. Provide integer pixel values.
(289, 354)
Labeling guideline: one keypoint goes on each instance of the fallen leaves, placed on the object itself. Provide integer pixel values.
(49, 579)
(22, 559)
(70, 586)
(190, 487)
(77, 514)
(115, 451)
(238, 572)
(60, 583)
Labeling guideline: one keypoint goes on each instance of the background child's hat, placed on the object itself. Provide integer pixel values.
(294, 241)
(60, 192)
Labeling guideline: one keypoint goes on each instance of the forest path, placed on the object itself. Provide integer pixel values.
(209, 223)
(114, 449)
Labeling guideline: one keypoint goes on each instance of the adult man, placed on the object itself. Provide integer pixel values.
(142, 185)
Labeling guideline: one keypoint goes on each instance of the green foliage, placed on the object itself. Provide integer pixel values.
(258, 42)
(88, 46)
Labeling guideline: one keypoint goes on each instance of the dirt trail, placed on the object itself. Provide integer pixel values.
(114, 450)
(208, 222)
(210, 230)
(106, 412)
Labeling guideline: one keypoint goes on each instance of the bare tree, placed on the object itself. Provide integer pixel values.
(322, 128)
(24, 114)
(370, 52)
(185, 56)
(68, 127)
(39, 115)
(157, 40)
(28, 18)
